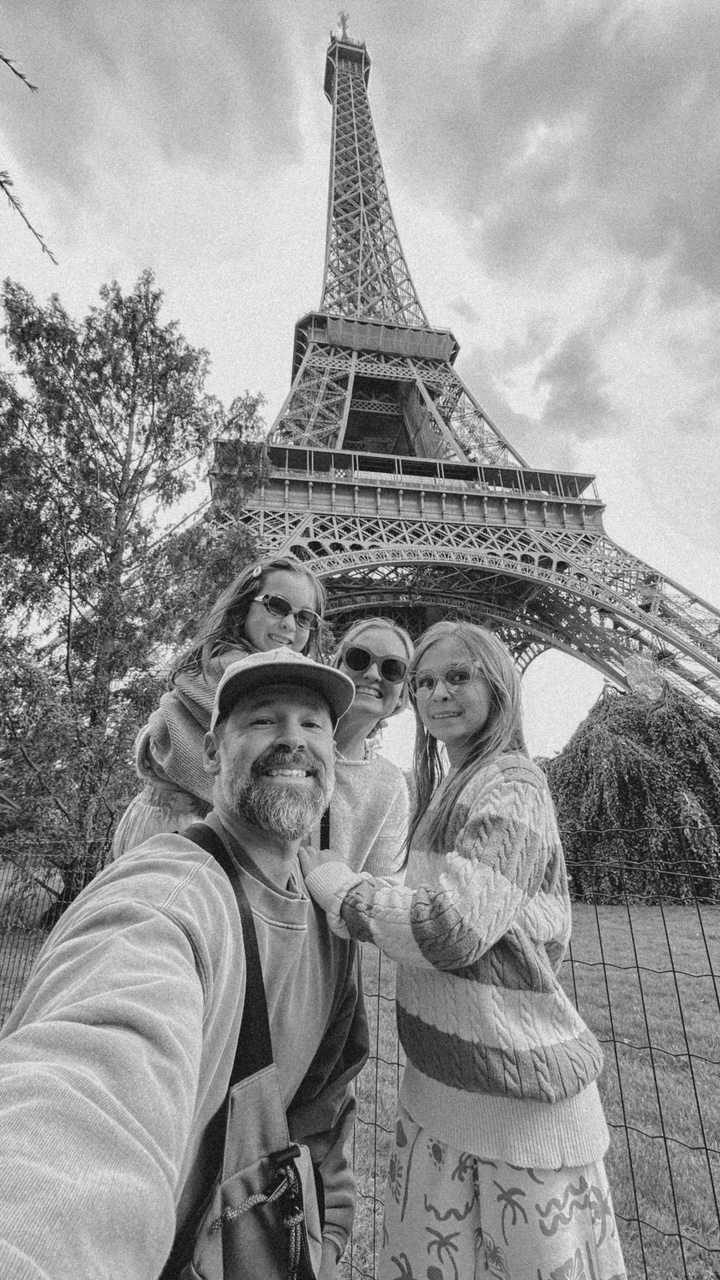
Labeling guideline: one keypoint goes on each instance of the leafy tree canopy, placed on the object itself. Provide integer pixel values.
(106, 426)
(105, 432)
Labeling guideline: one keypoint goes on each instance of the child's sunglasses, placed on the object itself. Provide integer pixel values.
(356, 658)
(279, 607)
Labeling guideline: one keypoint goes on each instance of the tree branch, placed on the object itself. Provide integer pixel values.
(6, 183)
(17, 72)
(41, 777)
(22, 866)
(68, 629)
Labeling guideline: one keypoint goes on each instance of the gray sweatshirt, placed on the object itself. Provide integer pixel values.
(119, 1051)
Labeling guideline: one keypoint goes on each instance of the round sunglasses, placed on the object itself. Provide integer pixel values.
(423, 683)
(357, 658)
(279, 607)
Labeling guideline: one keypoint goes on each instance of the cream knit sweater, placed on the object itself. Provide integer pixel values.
(368, 816)
(499, 1061)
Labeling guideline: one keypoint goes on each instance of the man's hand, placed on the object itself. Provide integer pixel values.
(330, 1260)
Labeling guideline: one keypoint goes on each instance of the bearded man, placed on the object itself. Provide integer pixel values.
(119, 1052)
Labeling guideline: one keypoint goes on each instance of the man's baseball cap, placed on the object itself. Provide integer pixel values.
(281, 666)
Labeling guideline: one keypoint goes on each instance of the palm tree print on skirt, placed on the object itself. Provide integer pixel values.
(452, 1215)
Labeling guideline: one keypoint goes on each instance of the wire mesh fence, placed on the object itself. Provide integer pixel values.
(644, 971)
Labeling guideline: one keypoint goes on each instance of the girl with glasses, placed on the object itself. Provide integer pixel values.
(273, 603)
(367, 819)
(500, 1135)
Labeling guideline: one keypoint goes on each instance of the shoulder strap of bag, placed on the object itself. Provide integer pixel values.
(254, 1047)
(325, 829)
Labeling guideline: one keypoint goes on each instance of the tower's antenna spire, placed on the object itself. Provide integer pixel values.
(344, 19)
(365, 271)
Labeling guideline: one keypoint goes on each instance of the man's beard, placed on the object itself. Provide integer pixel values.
(288, 811)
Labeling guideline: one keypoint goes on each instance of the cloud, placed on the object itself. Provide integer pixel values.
(212, 86)
(536, 341)
(465, 310)
(577, 403)
(554, 126)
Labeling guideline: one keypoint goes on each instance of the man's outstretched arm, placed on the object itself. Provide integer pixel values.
(99, 1069)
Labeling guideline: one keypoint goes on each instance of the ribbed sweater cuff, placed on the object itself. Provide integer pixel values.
(329, 884)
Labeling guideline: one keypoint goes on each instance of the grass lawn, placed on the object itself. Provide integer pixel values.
(648, 983)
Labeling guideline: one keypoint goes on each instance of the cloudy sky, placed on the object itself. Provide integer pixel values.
(553, 167)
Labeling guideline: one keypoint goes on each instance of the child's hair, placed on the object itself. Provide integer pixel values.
(503, 730)
(224, 626)
(352, 636)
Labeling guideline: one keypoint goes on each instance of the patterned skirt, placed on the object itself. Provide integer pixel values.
(451, 1215)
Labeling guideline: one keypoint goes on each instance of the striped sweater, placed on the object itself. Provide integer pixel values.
(499, 1060)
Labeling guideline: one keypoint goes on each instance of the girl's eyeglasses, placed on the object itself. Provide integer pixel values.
(356, 658)
(279, 607)
(423, 684)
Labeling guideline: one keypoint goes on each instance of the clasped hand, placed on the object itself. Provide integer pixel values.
(311, 859)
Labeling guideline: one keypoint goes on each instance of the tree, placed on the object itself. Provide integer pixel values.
(104, 434)
(637, 790)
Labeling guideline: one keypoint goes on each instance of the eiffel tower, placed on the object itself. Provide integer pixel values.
(383, 471)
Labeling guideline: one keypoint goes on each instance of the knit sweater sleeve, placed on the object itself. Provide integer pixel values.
(503, 832)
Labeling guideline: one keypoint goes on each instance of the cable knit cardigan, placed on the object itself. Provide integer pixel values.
(499, 1060)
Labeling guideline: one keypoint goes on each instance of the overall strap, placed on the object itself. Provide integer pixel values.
(325, 829)
(254, 1047)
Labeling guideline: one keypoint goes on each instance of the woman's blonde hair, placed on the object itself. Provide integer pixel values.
(224, 626)
(501, 732)
(352, 636)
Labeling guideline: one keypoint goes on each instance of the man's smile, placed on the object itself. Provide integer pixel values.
(282, 765)
(289, 773)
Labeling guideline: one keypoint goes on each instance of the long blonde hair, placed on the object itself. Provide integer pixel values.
(501, 732)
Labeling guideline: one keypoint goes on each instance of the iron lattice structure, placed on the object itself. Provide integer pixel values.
(383, 470)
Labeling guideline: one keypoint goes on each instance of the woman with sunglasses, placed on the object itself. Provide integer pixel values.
(366, 822)
(272, 603)
(500, 1135)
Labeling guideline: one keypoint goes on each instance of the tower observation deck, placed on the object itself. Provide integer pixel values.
(384, 472)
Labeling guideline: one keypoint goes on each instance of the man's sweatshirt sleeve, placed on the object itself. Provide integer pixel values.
(99, 1068)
